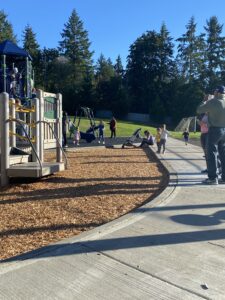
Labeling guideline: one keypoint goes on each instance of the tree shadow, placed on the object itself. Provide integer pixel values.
(82, 191)
(56, 180)
(129, 242)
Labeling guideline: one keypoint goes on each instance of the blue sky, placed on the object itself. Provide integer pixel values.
(113, 25)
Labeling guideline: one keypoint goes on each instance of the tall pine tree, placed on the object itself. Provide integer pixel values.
(215, 52)
(191, 52)
(118, 66)
(75, 46)
(6, 29)
(32, 47)
(143, 71)
(30, 43)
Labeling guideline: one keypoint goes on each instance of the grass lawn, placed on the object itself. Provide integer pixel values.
(127, 128)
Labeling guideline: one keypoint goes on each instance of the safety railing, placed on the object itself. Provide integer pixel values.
(28, 139)
(57, 140)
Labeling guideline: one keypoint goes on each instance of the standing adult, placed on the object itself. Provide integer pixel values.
(215, 108)
(112, 126)
(64, 128)
(203, 122)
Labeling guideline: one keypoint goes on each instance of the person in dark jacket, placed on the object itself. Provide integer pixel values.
(112, 126)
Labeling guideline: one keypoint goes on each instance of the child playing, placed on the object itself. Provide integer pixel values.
(71, 128)
(163, 139)
(186, 136)
(158, 138)
(101, 128)
(76, 136)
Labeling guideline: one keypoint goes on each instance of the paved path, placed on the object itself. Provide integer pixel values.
(171, 248)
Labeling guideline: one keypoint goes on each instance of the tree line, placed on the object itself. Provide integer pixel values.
(164, 78)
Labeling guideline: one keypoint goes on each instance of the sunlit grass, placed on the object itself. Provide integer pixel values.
(127, 128)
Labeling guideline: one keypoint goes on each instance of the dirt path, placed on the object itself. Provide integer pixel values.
(99, 186)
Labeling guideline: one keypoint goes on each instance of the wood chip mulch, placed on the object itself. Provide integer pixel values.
(99, 186)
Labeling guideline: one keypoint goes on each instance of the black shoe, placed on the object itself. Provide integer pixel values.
(210, 181)
(204, 171)
(221, 181)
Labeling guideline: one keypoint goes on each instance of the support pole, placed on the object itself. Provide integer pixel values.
(59, 126)
(27, 78)
(41, 137)
(4, 128)
(36, 131)
(4, 72)
(13, 124)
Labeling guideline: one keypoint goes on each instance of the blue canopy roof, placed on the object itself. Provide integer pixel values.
(9, 48)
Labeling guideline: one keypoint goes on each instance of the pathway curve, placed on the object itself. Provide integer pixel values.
(171, 248)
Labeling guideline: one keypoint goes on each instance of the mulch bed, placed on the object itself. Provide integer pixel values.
(100, 185)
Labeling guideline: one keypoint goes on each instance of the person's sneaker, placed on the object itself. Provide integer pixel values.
(221, 181)
(103, 143)
(219, 171)
(66, 146)
(210, 181)
(204, 171)
(99, 142)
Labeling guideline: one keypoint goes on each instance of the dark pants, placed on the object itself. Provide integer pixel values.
(64, 139)
(203, 138)
(158, 147)
(145, 142)
(162, 145)
(215, 147)
(113, 132)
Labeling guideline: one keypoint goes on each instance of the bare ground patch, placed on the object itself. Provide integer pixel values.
(99, 186)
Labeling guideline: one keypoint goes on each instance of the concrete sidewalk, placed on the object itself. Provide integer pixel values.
(171, 248)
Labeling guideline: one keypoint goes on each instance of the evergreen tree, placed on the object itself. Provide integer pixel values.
(166, 60)
(143, 72)
(149, 70)
(51, 70)
(215, 52)
(104, 69)
(29, 42)
(160, 107)
(190, 52)
(31, 46)
(118, 67)
(110, 91)
(103, 74)
(6, 29)
(75, 47)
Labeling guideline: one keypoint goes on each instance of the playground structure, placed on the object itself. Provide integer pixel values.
(29, 124)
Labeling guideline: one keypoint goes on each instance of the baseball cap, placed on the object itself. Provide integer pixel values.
(220, 89)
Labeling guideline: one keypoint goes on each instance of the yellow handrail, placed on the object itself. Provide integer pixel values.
(21, 136)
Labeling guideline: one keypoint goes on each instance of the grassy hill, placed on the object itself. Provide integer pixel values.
(127, 128)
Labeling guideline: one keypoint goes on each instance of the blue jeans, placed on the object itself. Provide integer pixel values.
(215, 147)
